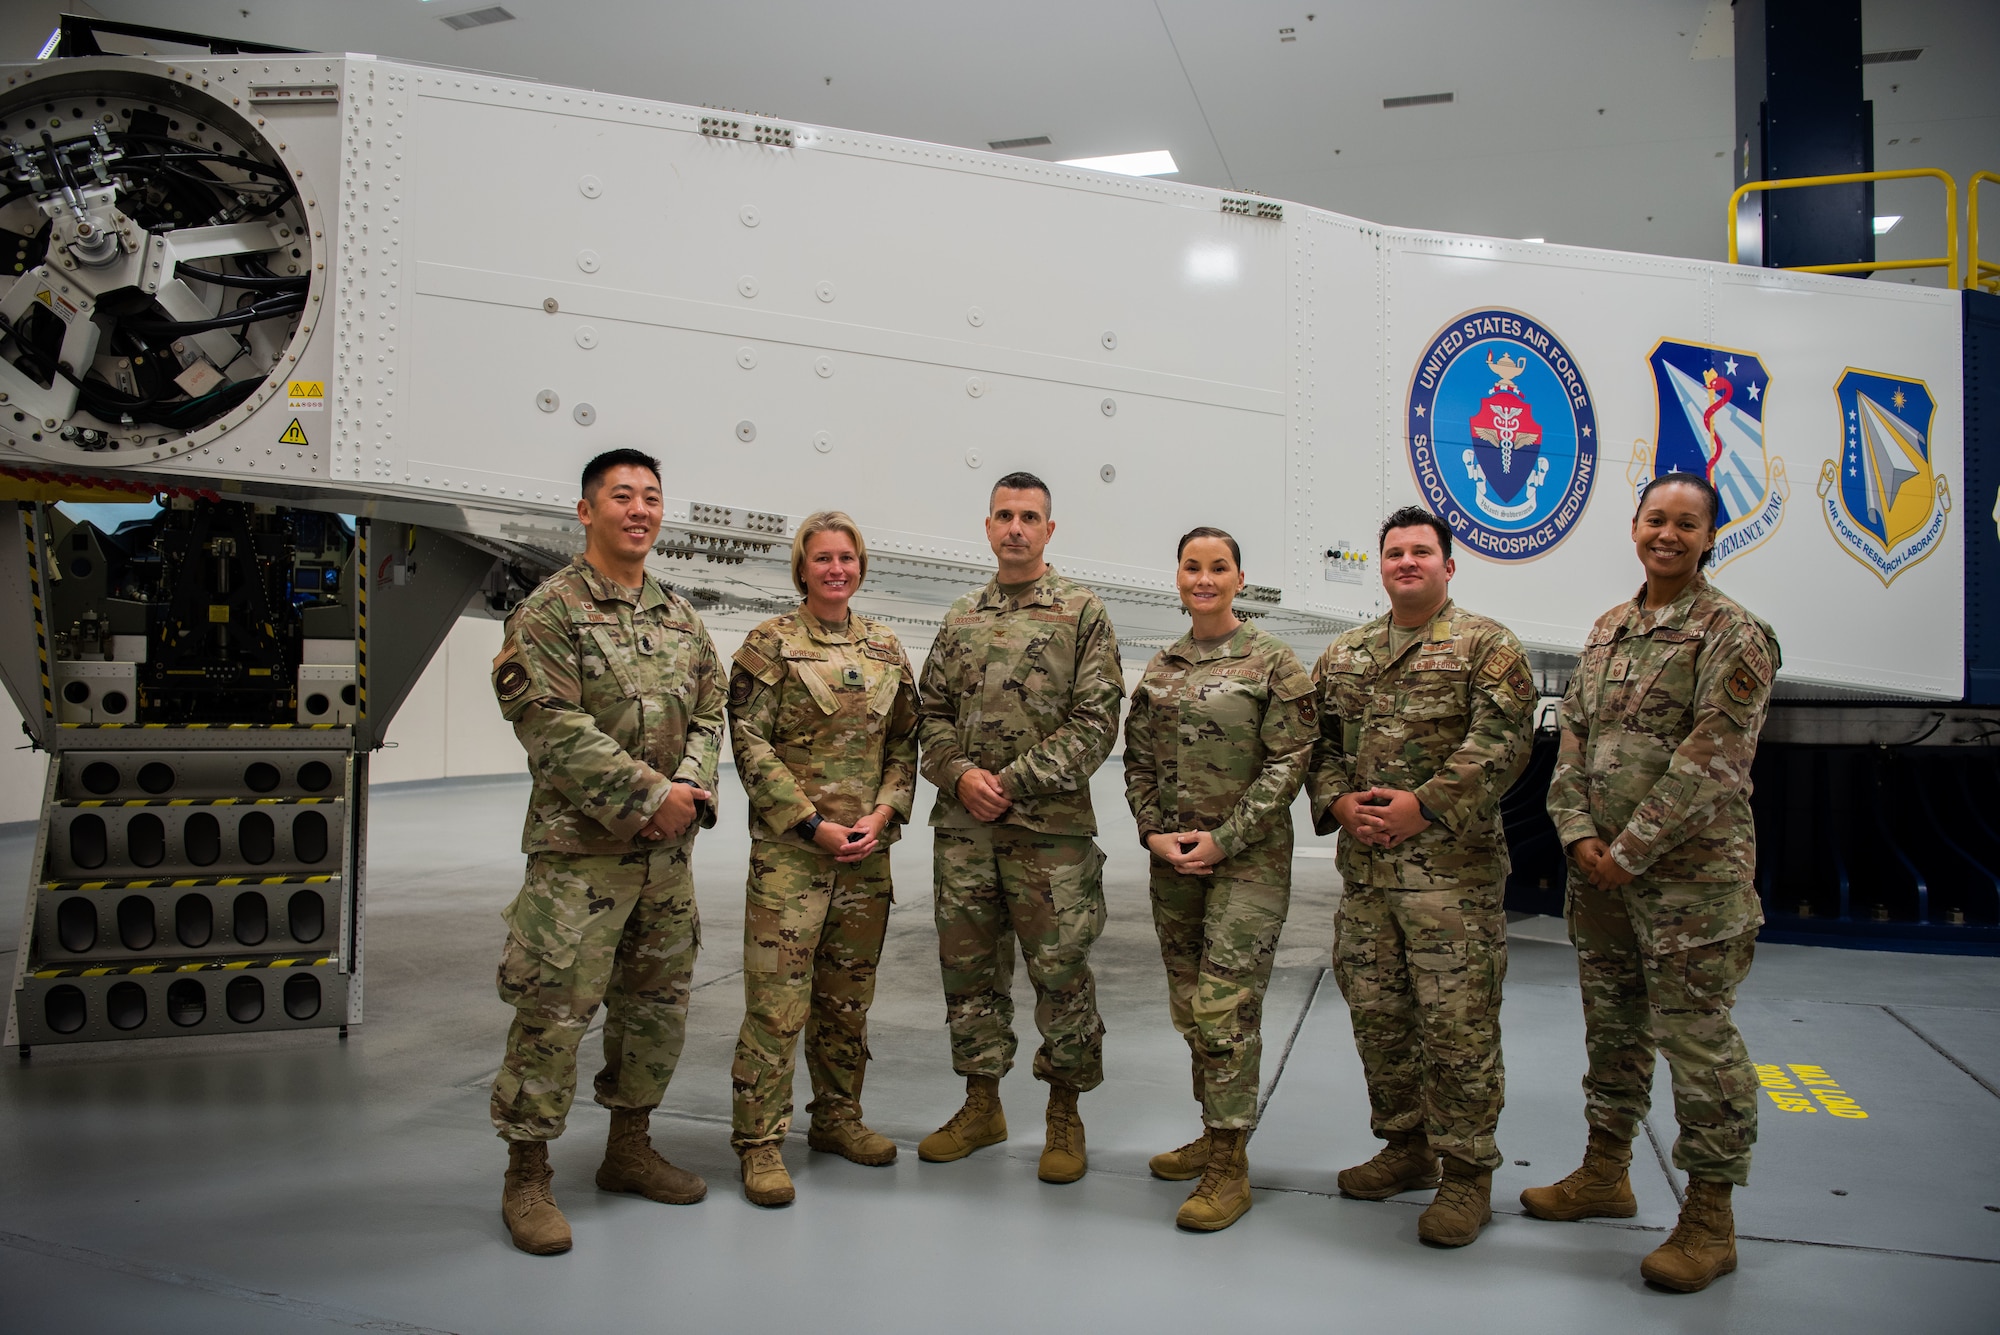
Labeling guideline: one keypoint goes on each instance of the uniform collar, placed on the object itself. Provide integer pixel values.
(1378, 641)
(1236, 646)
(1042, 593)
(1674, 615)
(818, 631)
(604, 589)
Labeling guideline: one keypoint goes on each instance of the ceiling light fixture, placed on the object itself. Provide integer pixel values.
(1891, 57)
(1536, 240)
(476, 18)
(1886, 223)
(1418, 100)
(1158, 162)
(1031, 141)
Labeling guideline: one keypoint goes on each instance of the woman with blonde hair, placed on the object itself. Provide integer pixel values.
(823, 723)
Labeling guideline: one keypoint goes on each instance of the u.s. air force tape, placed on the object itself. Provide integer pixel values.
(510, 683)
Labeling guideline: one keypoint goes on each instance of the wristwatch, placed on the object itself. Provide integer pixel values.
(808, 827)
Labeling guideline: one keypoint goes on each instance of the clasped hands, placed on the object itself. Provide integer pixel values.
(1594, 856)
(1380, 817)
(676, 813)
(851, 843)
(983, 794)
(1189, 852)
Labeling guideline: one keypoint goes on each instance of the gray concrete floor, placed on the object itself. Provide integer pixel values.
(290, 1182)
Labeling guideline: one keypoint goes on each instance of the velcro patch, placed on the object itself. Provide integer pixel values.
(1757, 661)
(1520, 683)
(510, 682)
(1742, 684)
(1308, 709)
(741, 684)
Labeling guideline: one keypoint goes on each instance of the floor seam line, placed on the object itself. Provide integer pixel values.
(221, 1288)
(1299, 1024)
(1934, 1046)
(1666, 1168)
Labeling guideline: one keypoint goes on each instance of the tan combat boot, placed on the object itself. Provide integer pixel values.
(1601, 1188)
(1463, 1205)
(632, 1164)
(1223, 1196)
(1063, 1157)
(977, 1124)
(1183, 1164)
(765, 1181)
(1702, 1245)
(852, 1140)
(1406, 1163)
(526, 1204)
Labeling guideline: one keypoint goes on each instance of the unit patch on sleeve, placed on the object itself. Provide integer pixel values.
(1742, 684)
(510, 682)
(741, 684)
(1520, 683)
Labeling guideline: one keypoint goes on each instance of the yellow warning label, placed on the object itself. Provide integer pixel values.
(61, 309)
(306, 389)
(218, 612)
(294, 435)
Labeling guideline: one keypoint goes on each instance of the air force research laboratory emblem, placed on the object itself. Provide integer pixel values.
(1882, 502)
(1710, 422)
(1502, 434)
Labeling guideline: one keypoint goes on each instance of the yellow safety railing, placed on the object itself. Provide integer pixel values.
(1948, 261)
(1977, 273)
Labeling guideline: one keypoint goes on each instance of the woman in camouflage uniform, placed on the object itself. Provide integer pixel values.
(1651, 796)
(823, 721)
(1216, 745)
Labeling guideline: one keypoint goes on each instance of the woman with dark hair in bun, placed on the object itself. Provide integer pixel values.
(1651, 797)
(1216, 745)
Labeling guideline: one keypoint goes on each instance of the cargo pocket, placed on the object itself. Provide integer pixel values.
(1076, 892)
(543, 930)
(1711, 972)
(1354, 964)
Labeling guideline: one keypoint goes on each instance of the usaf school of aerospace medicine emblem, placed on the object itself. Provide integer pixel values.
(1881, 499)
(1709, 405)
(1502, 434)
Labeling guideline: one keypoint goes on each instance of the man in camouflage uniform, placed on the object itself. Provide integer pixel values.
(1651, 795)
(613, 688)
(823, 719)
(1426, 719)
(1019, 707)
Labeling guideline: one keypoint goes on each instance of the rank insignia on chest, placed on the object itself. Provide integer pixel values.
(647, 644)
(1618, 670)
(850, 676)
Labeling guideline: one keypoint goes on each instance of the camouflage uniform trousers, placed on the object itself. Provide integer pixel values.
(616, 929)
(1218, 936)
(1677, 1002)
(812, 935)
(1422, 971)
(997, 883)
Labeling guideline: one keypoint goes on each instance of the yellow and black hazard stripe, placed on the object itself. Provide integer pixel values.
(191, 966)
(35, 595)
(188, 883)
(196, 801)
(363, 571)
(197, 727)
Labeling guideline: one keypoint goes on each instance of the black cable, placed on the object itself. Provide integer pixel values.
(255, 282)
(289, 304)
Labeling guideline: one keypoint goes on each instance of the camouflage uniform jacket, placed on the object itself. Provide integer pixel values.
(1450, 719)
(1659, 727)
(612, 702)
(1218, 739)
(823, 721)
(1027, 688)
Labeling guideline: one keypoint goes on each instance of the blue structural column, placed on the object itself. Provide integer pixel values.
(1799, 112)
(1982, 498)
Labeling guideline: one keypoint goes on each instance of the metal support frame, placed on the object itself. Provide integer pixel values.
(1948, 261)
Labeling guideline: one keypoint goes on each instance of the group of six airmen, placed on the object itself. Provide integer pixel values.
(1404, 735)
